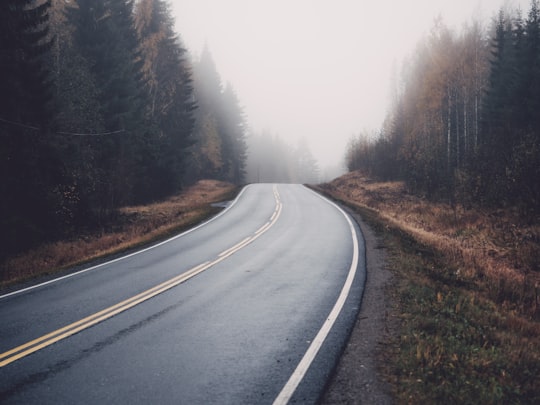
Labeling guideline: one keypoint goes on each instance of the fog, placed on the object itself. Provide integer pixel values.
(317, 70)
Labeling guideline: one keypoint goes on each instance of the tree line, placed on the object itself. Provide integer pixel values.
(273, 160)
(102, 107)
(465, 118)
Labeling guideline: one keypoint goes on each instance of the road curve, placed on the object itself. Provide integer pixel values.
(252, 307)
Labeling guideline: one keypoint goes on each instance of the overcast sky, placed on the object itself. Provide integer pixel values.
(316, 69)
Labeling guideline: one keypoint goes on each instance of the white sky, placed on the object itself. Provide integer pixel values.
(316, 69)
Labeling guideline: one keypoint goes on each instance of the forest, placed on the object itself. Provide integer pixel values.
(102, 107)
(272, 160)
(464, 125)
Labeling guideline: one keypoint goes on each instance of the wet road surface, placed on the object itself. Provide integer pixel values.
(253, 307)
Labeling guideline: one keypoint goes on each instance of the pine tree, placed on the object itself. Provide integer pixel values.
(524, 168)
(106, 38)
(25, 86)
(167, 75)
(76, 100)
(208, 87)
(532, 64)
(499, 113)
(206, 158)
(502, 83)
(221, 107)
(232, 128)
(28, 165)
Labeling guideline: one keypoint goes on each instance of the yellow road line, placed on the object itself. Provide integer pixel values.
(97, 314)
(71, 329)
(263, 228)
(225, 252)
(46, 340)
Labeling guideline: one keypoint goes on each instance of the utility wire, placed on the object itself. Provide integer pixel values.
(98, 134)
(20, 124)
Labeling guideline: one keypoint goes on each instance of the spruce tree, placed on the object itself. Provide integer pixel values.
(105, 37)
(231, 123)
(501, 80)
(221, 108)
(525, 165)
(167, 75)
(25, 87)
(206, 160)
(28, 166)
(499, 113)
(532, 64)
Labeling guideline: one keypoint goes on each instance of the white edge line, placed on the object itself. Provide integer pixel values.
(300, 371)
(127, 256)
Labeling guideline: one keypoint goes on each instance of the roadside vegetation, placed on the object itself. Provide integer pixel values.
(456, 165)
(132, 227)
(467, 295)
(464, 126)
(102, 107)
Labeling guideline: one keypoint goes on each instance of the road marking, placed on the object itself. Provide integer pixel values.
(300, 371)
(263, 228)
(37, 344)
(127, 256)
(234, 248)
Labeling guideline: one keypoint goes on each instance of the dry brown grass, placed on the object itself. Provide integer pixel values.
(498, 249)
(466, 296)
(136, 226)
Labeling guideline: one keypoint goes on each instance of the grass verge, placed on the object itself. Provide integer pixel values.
(135, 227)
(455, 345)
(462, 338)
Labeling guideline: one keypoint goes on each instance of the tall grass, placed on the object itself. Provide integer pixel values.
(499, 251)
(466, 297)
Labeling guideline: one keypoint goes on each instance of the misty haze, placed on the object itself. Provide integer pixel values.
(248, 201)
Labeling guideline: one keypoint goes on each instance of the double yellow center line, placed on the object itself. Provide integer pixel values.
(37, 344)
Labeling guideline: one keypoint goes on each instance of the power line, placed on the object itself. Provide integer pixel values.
(22, 125)
(19, 124)
(90, 134)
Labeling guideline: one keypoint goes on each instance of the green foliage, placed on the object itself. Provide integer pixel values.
(454, 357)
(456, 346)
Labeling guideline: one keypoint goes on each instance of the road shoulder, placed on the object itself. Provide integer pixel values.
(357, 378)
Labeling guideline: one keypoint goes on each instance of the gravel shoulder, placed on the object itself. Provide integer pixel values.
(357, 378)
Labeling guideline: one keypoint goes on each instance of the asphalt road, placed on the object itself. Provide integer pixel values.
(253, 307)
